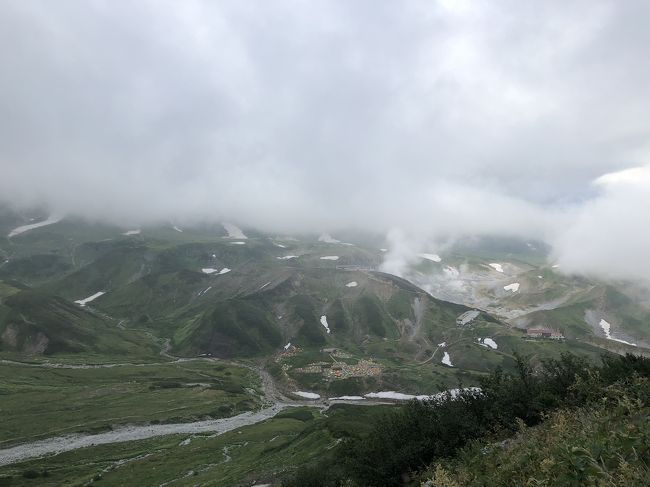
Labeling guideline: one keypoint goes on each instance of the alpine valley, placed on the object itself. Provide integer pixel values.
(210, 354)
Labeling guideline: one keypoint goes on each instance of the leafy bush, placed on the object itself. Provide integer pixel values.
(407, 440)
(607, 443)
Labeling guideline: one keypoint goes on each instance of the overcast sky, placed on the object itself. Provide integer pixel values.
(438, 118)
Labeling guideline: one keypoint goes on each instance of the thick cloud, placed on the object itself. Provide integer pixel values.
(439, 118)
(610, 235)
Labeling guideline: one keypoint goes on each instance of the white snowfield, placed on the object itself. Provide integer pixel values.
(330, 257)
(287, 257)
(607, 327)
(347, 398)
(212, 270)
(233, 231)
(391, 395)
(323, 321)
(399, 396)
(327, 238)
(352, 284)
(432, 257)
(307, 395)
(496, 267)
(132, 232)
(488, 342)
(446, 359)
(26, 228)
(514, 287)
(82, 302)
(237, 243)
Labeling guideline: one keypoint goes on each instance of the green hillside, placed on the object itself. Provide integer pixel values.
(34, 322)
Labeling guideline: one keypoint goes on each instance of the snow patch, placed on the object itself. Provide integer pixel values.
(432, 257)
(390, 395)
(488, 342)
(330, 257)
(446, 359)
(201, 293)
(407, 397)
(607, 327)
(25, 228)
(323, 321)
(514, 287)
(286, 347)
(496, 267)
(287, 257)
(132, 232)
(352, 284)
(384, 250)
(265, 285)
(307, 395)
(233, 231)
(280, 245)
(212, 270)
(82, 302)
(443, 344)
(348, 398)
(237, 243)
(177, 229)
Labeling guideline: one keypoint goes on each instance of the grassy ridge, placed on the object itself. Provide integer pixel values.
(39, 402)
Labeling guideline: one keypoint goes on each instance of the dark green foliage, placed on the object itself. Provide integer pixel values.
(336, 317)
(311, 331)
(236, 327)
(36, 268)
(42, 323)
(369, 313)
(299, 414)
(422, 432)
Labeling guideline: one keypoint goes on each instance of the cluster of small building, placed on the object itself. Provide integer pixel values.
(363, 368)
(341, 370)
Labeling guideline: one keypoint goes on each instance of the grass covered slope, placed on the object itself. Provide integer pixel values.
(606, 443)
(37, 323)
(40, 401)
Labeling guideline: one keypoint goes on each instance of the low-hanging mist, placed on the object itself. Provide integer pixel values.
(425, 121)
